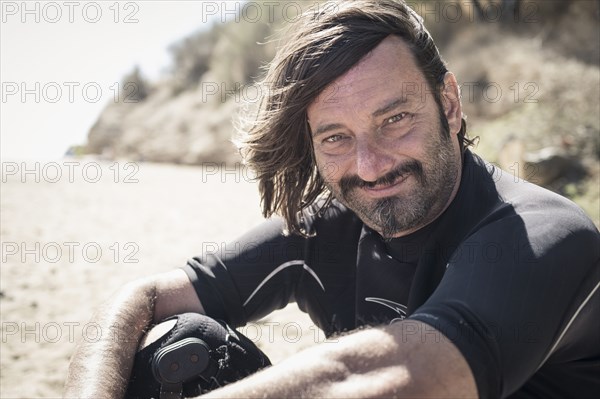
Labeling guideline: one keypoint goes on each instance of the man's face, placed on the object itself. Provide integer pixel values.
(380, 145)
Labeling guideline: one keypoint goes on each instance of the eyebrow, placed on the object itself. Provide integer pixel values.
(390, 106)
(395, 103)
(325, 128)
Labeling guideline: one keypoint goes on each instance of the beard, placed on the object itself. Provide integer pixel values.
(433, 182)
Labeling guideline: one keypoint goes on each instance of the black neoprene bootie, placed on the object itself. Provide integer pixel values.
(197, 355)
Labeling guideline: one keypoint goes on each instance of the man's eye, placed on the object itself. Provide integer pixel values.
(396, 118)
(333, 139)
(336, 144)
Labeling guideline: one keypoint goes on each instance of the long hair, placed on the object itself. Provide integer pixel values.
(277, 145)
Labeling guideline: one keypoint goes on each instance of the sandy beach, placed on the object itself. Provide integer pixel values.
(73, 231)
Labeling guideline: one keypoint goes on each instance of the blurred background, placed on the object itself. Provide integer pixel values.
(115, 129)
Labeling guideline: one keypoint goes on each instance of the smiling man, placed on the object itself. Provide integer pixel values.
(449, 278)
(395, 163)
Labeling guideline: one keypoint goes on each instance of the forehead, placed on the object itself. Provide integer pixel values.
(389, 71)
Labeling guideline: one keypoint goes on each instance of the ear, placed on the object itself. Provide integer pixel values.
(451, 103)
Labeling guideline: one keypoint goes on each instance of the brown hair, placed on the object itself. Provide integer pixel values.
(277, 146)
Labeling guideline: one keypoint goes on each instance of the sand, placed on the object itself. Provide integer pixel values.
(71, 237)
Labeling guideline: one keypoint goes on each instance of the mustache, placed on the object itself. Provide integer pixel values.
(348, 183)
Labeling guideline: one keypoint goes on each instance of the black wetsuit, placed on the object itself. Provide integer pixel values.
(509, 272)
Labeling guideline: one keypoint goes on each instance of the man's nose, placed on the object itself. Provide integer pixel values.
(372, 162)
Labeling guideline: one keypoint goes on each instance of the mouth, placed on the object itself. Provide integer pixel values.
(386, 190)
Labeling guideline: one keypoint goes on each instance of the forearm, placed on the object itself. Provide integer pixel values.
(342, 369)
(385, 362)
(101, 369)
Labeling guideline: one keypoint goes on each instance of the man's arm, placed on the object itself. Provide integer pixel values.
(408, 359)
(101, 369)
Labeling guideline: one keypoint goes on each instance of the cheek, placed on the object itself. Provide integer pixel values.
(333, 168)
(329, 170)
(424, 134)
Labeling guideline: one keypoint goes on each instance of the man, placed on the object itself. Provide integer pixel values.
(470, 284)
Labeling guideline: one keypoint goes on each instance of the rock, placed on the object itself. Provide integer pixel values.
(547, 165)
